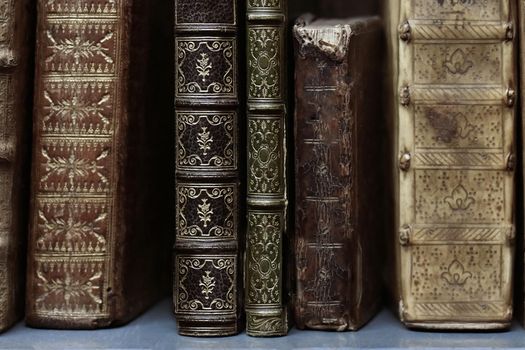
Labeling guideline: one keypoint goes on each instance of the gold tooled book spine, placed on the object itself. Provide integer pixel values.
(207, 291)
(265, 301)
(93, 261)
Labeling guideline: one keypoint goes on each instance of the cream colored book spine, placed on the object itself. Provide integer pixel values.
(454, 71)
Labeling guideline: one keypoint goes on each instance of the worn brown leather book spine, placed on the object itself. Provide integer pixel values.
(208, 280)
(95, 254)
(338, 170)
(342, 9)
(16, 57)
(454, 87)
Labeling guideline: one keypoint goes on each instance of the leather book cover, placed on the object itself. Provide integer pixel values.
(266, 281)
(454, 105)
(207, 291)
(16, 86)
(339, 172)
(519, 277)
(97, 251)
(342, 9)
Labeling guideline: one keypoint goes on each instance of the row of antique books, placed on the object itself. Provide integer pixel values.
(397, 156)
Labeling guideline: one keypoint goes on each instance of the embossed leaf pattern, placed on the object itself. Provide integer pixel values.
(205, 212)
(460, 199)
(69, 288)
(225, 74)
(79, 48)
(75, 109)
(70, 229)
(73, 167)
(204, 140)
(458, 62)
(266, 324)
(207, 283)
(264, 55)
(218, 154)
(265, 156)
(204, 66)
(264, 262)
(224, 197)
(211, 295)
(456, 274)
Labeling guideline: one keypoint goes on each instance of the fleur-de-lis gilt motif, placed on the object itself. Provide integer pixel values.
(207, 283)
(205, 212)
(75, 109)
(70, 229)
(456, 274)
(460, 200)
(458, 63)
(204, 140)
(73, 167)
(79, 48)
(204, 66)
(69, 288)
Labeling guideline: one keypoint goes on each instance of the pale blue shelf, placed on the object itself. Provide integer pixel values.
(157, 330)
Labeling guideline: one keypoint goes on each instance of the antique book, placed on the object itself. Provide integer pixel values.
(265, 265)
(208, 277)
(16, 57)
(519, 278)
(96, 253)
(339, 174)
(341, 9)
(454, 87)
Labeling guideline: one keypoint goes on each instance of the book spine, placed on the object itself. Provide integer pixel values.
(338, 133)
(79, 108)
(266, 309)
(520, 246)
(208, 290)
(456, 163)
(15, 88)
(325, 193)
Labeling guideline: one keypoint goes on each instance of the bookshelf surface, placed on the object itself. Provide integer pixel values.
(156, 329)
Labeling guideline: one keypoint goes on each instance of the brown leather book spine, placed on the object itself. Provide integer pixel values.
(16, 54)
(338, 147)
(93, 260)
(207, 289)
(342, 9)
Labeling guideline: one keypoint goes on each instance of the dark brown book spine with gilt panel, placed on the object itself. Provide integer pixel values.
(339, 141)
(208, 290)
(93, 260)
(16, 52)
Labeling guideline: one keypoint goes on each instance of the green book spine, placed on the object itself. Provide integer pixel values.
(266, 311)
